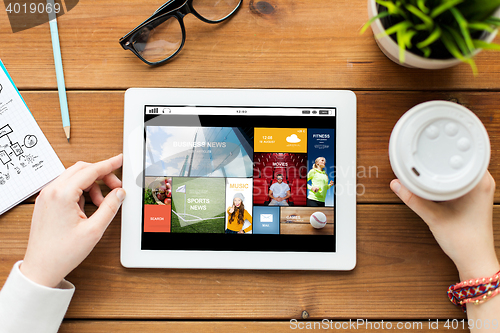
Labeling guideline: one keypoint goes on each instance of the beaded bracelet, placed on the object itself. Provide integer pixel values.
(475, 291)
(481, 299)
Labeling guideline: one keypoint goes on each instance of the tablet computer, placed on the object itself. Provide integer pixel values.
(239, 179)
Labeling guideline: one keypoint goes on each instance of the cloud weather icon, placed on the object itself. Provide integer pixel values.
(293, 139)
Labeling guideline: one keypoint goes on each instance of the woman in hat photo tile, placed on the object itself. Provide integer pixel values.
(237, 216)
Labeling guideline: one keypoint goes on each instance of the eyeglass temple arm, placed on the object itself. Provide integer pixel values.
(163, 6)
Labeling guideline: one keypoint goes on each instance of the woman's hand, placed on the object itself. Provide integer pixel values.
(62, 236)
(231, 210)
(463, 227)
(314, 189)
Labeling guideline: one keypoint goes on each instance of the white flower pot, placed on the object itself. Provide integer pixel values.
(391, 49)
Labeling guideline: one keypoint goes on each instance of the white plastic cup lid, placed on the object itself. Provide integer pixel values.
(439, 150)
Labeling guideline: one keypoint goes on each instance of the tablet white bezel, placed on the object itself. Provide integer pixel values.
(345, 206)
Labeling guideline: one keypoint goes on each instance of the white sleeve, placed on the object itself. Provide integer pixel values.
(26, 306)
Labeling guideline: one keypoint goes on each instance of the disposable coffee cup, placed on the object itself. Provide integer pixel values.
(439, 150)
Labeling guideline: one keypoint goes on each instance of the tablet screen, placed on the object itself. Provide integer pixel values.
(224, 178)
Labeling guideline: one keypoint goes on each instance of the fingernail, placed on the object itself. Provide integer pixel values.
(395, 186)
(121, 194)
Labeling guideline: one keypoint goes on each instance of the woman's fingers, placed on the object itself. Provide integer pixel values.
(70, 172)
(107, 210)
(81, 203)
(96, 194)
(424, 208)
(88, 175)
(112, 181)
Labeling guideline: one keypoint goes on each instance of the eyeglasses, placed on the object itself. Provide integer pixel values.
(162, 35)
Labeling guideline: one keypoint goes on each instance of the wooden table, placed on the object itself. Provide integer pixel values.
(401, 273)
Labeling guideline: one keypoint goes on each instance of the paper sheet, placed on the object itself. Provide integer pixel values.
(27, 160)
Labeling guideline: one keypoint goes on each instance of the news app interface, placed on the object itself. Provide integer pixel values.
(239, 179)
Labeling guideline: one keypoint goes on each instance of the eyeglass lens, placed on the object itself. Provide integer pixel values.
(214, 10)
(161, 38)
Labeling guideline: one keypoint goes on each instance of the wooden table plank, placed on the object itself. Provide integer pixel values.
(396, 256)
(97, 130)
(70, 326)
(298, 44)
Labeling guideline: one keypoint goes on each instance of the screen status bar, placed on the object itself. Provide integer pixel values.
(249, 111)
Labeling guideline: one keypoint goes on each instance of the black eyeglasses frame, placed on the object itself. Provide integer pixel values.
(165, 12)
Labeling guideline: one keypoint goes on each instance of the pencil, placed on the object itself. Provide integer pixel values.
(61, 88)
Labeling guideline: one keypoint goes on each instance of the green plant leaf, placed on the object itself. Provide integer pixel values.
(462, 23)
(427, 51)
(373, 19)
(407, 36)
(459, 40)
(421, 27)
(422, 7)
(478, 10)
(493, 21)
(392, 8)
(480, 26)
(429, 23)
(434, 36)
(401, 45)
(444, 7)
(473, 66)
(401, 26)
(481, 44)
(452, 48)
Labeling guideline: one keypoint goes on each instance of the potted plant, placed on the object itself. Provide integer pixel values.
(434, 34)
